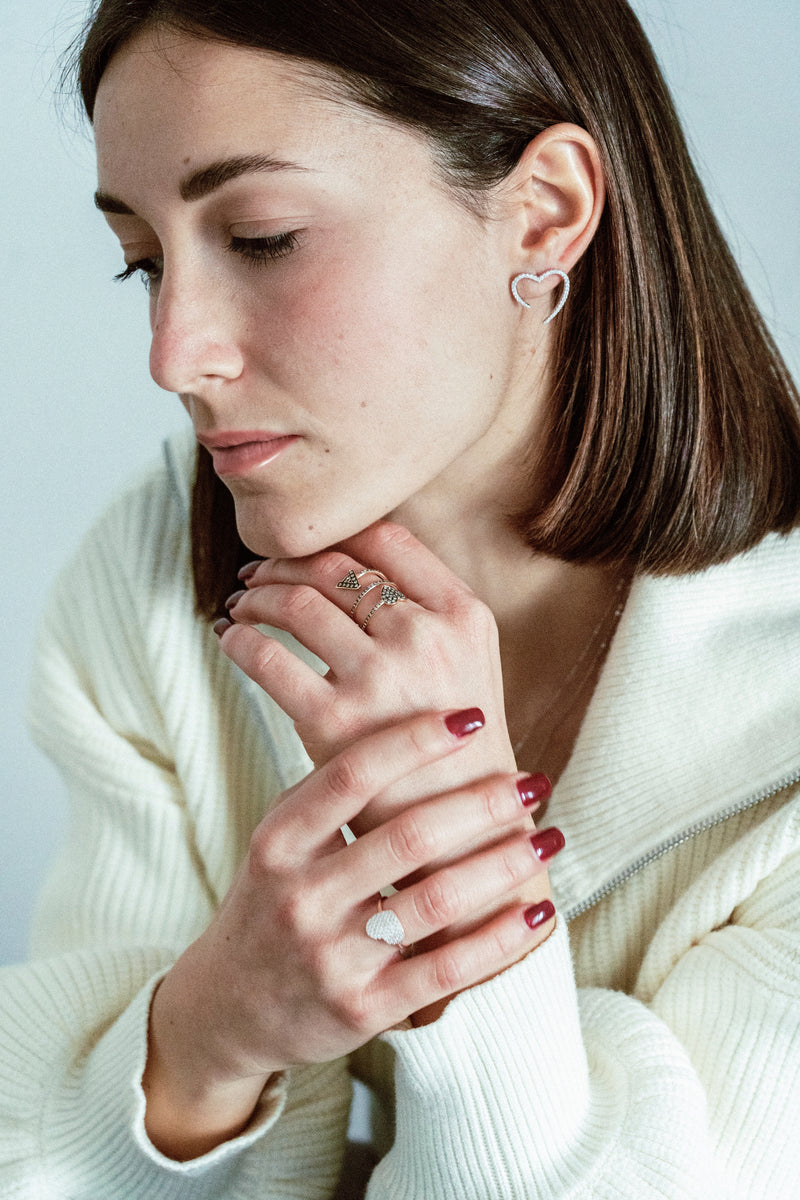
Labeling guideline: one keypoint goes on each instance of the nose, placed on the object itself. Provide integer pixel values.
(194, 339)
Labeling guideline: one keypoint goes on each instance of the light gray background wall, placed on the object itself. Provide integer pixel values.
(79, 412)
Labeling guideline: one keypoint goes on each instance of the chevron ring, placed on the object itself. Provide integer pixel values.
(389, 593)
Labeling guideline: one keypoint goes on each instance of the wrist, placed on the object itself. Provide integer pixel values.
(192, 1105)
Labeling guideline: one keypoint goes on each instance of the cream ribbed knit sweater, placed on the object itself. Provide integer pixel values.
(657, 1056)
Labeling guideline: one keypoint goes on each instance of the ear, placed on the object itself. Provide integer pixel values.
(556, 195)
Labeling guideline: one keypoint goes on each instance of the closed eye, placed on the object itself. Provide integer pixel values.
(255, 250)
(264, 249)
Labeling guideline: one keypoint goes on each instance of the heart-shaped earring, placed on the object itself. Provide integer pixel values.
(538, 279)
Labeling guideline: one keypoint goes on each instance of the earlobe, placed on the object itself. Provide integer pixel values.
(538, 279)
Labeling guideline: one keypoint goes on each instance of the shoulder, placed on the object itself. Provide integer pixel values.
(126, 592)
(139, 547)
(151, 511)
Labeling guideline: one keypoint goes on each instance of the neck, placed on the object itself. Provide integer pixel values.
(554, 620)
(550, 614)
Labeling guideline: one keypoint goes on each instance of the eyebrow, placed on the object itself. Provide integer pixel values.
(206, 180)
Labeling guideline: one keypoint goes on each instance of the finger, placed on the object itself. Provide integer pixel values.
(438, 829)
(422, 980)
(294, 685)
(334, 794)
(352, 587)
(475, 884)
(410, 565)
(301, 610)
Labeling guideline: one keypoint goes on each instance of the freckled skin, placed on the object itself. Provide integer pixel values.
(394, 301)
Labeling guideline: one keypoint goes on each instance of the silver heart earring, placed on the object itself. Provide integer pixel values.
(538, 279)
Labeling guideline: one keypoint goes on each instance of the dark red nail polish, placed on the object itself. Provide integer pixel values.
(537, 914)
(534, 788)
(547, 842)
(248, 569)
(469, 720)
(221, 625)
(235, 598)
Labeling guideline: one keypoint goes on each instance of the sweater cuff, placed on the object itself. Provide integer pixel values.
(102, 1106)
(496, 1089)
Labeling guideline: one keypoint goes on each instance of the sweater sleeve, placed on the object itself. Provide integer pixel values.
(139, 876)
(529, 1087)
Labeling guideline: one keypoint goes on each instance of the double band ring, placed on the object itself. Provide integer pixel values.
(389, 594)
(369, 588)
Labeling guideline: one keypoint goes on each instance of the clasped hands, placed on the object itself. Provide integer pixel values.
(286, 974)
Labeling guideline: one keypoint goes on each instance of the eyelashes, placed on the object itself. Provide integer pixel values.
(264, 249)
(255, 251)
(148, 268)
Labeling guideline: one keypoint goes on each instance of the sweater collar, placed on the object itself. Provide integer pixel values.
(697, 711)
(180, 456)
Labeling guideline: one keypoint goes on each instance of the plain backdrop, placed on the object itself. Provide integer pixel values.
(79, 411)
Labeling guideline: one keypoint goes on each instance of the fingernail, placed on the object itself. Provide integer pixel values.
(547, 842)
(248, 569)
(235, 597)
(533, 789)
(537, 914)
(221, 625)
(469, 720)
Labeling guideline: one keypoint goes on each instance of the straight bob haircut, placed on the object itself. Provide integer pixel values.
(673, 437)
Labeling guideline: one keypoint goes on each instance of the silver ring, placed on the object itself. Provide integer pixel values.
(386, 926)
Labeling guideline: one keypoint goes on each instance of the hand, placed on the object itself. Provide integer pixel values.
(437, 651)
(286, 974)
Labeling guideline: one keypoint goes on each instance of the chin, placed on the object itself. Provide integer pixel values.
(290, 538)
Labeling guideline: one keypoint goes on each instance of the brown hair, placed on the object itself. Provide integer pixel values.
(674, 438)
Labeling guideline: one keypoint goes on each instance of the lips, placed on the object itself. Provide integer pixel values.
(239, 452)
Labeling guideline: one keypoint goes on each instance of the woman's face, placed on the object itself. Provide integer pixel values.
(337, 325)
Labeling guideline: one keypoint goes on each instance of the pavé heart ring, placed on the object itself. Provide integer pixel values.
(386, 926)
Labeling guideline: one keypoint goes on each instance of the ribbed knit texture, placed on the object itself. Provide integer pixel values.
(653, 1053)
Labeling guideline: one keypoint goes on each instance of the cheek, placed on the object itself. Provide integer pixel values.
(410, 340)
(327, 361)
(357, 316)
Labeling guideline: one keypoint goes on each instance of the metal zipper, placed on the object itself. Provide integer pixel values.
(685, 836)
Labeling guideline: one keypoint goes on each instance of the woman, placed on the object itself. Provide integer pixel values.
(447, 265)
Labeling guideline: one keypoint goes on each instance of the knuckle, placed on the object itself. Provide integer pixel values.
(333, 565)
(288, 912)
(318, 959)
(305, 932)
(341, 719)
(354, 1010)
(503, 943)
(410, 841)
(264, 654)
(493, 801)
(438, 902)
(448, 973)
(420, 736)
(476, 620)
(348, 777)
(389, 536)
(265, 854)
(516, 862)
(297, 599)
